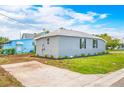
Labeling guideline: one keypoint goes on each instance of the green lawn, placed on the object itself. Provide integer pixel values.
(92, 65)
(87, 65)
(115, 50)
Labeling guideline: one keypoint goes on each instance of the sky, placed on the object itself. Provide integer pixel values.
(92, 19)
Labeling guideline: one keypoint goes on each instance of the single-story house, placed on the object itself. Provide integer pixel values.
(24, 45)
(28, 35)
(63, 42)
(21, 45)
(121, 47)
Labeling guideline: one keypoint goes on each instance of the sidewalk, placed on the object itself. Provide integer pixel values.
(113, 79)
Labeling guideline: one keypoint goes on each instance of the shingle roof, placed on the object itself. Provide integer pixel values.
(65, 32)
(27, 35)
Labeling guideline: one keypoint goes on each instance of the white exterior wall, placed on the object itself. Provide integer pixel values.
(70, 46)
(50, 49)
(67, 46)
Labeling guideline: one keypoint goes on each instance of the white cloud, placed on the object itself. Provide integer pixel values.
(102, 16)
(49, 17)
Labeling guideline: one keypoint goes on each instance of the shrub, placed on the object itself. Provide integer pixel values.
(66, 57)
(46, 55)
(75, 55)
(95, 54)
(82, 55)
(88, 54)
(106, 52)
(10, 51)
(59, 57)
(99, 53)
(1, 51)
(51, 56)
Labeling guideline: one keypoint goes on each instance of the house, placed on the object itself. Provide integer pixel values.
(21, 45)
(24, 45)
(63, 42)
(121, 47)
(28, 35)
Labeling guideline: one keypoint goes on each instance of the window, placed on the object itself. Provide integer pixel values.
(95, 43)
(48, 40)
(82, 43)
(122, 45)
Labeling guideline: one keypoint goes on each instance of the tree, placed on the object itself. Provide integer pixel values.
(3, 40)
(111, 43)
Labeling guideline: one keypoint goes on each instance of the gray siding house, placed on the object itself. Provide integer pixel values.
(121, 47)
(69, 43)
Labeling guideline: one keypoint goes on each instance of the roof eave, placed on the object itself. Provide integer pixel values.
(69, 36)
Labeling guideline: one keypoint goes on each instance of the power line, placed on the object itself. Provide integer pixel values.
(15, 19)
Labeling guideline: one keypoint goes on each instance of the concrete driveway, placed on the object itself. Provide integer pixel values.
(36, 74)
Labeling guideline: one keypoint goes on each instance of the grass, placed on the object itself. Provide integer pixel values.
(115, 50)
(86, 65)
(6, 80)
(92, 65)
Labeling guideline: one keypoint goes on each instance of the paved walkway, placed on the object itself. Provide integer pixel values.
(37, 74)
(119, 83)
(110, 80)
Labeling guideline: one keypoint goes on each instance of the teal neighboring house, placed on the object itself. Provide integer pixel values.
(24, 45)
(20, 45)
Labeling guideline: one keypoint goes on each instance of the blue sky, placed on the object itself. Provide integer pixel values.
(93, 19)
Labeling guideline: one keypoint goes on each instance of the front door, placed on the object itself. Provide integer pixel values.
(43, 49)
(19, 48)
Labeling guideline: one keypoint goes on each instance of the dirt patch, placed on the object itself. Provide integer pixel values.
(6, 80)
(20, 58)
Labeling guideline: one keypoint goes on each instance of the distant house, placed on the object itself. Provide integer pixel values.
(24, 45)
(28, 35)
(69, 43)
(121, 47)
(21, 45)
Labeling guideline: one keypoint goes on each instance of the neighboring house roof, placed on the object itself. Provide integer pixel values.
(41, 34)
(122, 40)
(17, 40)
(65, 32)
(27, 35)
(34, 35)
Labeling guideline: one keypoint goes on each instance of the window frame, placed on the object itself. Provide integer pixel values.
(95, 43)
(83, 43)
(48, 41)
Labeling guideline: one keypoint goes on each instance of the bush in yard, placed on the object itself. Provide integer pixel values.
(66, 57)
(10, 51)
(99, 53)
(106, 52)
(5, 51)
(76, 56)
(88, 54)
(59, 57)
(51, 56)
(95, 54)
(82, 55)
(46, 55)
(1, 51)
